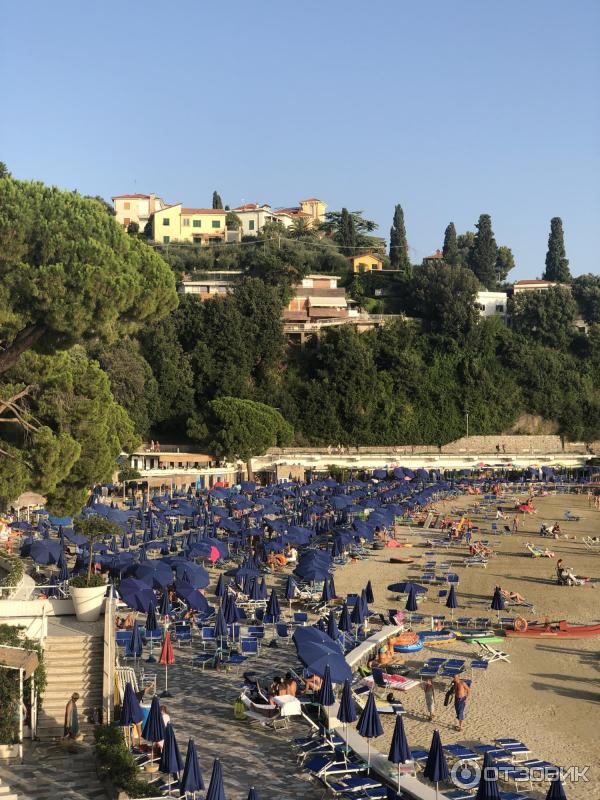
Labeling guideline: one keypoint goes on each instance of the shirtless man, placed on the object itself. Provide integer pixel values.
(461, 694)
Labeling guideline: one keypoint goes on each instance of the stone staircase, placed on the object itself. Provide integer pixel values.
(6, 793)
(74, 663)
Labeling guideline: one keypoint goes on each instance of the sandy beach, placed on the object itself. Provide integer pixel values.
(549, 694)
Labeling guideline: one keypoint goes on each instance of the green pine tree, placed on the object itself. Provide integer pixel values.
(216, 201)
(450, 248)
(347, 233)
(398, 244)
(484, 254)
(557, 264)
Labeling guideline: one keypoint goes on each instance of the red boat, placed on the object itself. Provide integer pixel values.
(553, 630)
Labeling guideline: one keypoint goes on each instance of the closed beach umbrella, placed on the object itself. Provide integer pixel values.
(326, 696)
(436, 768)
(252, 794)
(135, 644)
(151, 627)
(215, 787)
(451, 601)
(220, 628)
(347, 710)
(488, 783)
(254, 593)
(263, 589)
(357, 617)
(556, 790)
(369, 593)
(170, 762)
(154, 727)
(332, 628)
(191, 780)
(399, 749)
(167, 659)
(291, 588)
(497, 602)
(165, 605)
(231, 612)
(411, 603)
(326, 595)
(344, 622)
(131, 713)
(369, 724)
(220, 588)
(63, 570)
(273, 609)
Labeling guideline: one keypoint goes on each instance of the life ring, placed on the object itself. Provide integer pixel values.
(520, 624)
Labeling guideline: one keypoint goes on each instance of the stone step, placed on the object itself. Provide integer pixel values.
(76, 652)
(6, 794)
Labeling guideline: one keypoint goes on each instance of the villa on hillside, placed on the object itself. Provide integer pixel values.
(136, 208)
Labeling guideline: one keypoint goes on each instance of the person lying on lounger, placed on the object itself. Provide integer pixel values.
(514, 596)
(313, 683)
(479, 549)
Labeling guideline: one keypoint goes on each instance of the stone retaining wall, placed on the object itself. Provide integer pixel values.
(510, 444)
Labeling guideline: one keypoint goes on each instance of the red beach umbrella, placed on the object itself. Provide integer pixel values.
(167, 658)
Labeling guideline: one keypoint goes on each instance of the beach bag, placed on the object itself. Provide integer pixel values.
(449, 696)
(239, 712)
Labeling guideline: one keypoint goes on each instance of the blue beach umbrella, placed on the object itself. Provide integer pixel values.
(451, 601)
(63, 570)
(220, 588)
(164, 608)
(151, 627)
(230, 611)
(170, 762)
(191, 780)
(273, 609)
(347, 710)
(357, 617)
(254, 593)
(332, 628)
(136, 594)
(497, 603)
(399, 749)
(252, 794)
(556, 790)
(135, 644)
(411, 602)
(263, 589)
(215, 787)
(436, 768)
(405, 587)
(369, 593)
(369, 725)
(488, 783)
(326, 696)
(220, 628)
(326, 595)
(344, 622)
(340, 669)
(131, 713)
(154, 727)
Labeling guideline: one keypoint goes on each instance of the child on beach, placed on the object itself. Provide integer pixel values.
(429, 691)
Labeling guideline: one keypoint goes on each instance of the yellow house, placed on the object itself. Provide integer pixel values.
(367, 262)
(193, 225)
(315, 209)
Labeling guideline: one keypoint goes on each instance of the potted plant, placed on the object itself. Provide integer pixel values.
(87, 590)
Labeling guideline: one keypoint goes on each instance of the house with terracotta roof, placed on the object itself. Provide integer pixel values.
(136, 208)
(177, 223)
(367, 262)
(533, 286)
(434, 258)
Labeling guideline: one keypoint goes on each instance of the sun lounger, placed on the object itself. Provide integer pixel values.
(591, 544)
(355, 783)
(475, 561)
(570, 518)
(328, 766)
(491, 654)
(461, 752)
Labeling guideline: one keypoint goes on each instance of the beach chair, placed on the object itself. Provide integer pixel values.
(353, 784)
(331, 765)
(248, 647)
(207, 636)
(183, 634)
(300, 618)
(283, 632)
(591, 544)
(491, 655)
(475, 561)
(460, 752)
(570, 518)
(480, 664)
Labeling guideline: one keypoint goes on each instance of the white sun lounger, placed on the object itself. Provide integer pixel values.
(490, 654)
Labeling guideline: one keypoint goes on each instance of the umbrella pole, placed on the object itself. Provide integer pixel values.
(369, 753)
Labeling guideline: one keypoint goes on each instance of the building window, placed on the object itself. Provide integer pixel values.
(126, 221)
(185, 222)
(251, 225)
(216, 223)
(126, 206)
(499, 309)
(166, 221)
(197, 223)
(166, 239)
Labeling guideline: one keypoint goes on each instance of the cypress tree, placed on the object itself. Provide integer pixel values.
(450, 248)
(347, 233)
(483, 257)
(216, 201)
(398, 244)
(557, 264)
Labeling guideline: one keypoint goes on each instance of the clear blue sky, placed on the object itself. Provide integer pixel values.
(449, 108)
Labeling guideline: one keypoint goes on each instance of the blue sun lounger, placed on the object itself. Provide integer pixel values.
(355, 783)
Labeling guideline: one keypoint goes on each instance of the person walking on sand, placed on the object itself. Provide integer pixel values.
(515, 524)
(429, 691)
(71, 729)
(462, 691)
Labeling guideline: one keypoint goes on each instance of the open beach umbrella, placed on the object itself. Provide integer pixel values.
(326, 696)
(556, 790)
(436, 768)
(399, 749)
(191, 780)
(164, 608)
(340, 669)
(167, 658)
(170, 762)
(369, 593)
(369, 725)
(497, 602)
(136, 594)
(347, 710)
(405, 587)
(488, 783)
(151, 627)
(154, 727)
(273, 609)
(131, 713)
(451, 602)
(135, 644)
(220, 588)
(332, 628)
(344, 622)
(215, 787)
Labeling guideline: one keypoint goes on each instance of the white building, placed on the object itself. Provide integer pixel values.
(213, 284)
(491, 304)
(533, 286)
(136, 208)
(253, 217)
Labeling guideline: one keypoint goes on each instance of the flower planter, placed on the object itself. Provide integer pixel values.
(88, 602)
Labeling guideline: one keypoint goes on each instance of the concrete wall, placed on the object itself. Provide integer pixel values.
(512, 444)
(33, 614)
